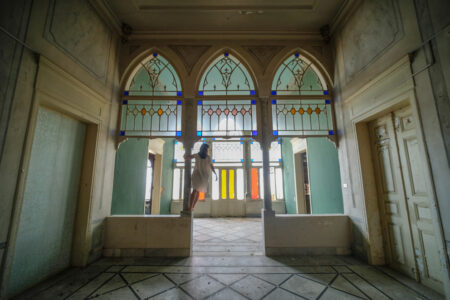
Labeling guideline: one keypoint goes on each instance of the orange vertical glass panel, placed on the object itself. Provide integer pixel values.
(201, 196)
(255, 188)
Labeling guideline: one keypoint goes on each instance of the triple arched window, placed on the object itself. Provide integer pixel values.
(226, 100)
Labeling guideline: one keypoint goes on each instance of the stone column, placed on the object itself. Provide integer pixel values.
(188, 138)
(266, 138)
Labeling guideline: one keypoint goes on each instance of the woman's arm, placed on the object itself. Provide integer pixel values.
(189, 157)
(214, 171)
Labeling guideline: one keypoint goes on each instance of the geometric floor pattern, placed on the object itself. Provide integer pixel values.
(234, 277)
(230, 273)
(227, 236)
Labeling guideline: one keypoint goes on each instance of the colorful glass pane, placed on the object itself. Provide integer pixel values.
(226, 118)
(307, 118)
(231, 174)
(224, 183)
(201, 196)
(155, 77)
(226, 76)
(150, 118)
(255, 188)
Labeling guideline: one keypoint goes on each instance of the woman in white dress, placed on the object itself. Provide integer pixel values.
(201, 174)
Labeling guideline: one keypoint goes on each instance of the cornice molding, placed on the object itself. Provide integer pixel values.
(226, 35)
(344, 13)
(107, 15)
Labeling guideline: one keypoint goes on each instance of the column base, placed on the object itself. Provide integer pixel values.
(186, 213)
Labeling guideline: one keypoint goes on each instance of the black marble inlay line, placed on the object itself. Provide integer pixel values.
(405, 285)
(83, 285)
(343, 275)
(374, 286)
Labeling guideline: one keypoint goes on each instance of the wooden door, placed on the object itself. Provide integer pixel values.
(413, 166)
(391, 197)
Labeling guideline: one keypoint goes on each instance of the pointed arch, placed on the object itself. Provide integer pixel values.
(152, 100)
(301, 102)
(297, 75)
(155, 76)
(226, 75)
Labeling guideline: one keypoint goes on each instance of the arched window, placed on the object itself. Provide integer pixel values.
(152, 101)
(301, 105)
(226, 106)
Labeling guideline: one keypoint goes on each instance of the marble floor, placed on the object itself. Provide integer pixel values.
(233, 270)
(227, 236)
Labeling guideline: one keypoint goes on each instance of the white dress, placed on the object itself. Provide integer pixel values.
(202, 173)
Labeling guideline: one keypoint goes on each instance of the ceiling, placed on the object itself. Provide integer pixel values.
(230, 15)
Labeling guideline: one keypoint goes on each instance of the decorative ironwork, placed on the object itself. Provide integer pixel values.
(227, 151)
(226, 118)
(298, 76)
(151, 118)
(302, 117)
(226, 76)
(156, 77)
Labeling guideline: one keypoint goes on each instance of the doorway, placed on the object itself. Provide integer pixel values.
(404, 197)
(149, 183)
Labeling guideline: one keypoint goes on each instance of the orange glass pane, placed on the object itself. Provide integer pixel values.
(201, 196)
(255, 188)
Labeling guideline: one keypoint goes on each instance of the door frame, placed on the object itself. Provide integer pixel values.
(368, 183)
(58, 91)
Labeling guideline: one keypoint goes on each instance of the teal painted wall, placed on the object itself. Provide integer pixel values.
(288, 176)
(44, 237)
(324, 177)
(167, 176)
(129, 178)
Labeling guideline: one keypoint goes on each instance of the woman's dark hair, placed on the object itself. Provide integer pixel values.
(203, 150)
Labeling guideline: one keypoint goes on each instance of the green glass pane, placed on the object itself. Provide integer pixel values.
(295, 76)
(226, 76)
(156, 77)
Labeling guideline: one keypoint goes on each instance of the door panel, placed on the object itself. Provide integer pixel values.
(393, 209)
(413, 164)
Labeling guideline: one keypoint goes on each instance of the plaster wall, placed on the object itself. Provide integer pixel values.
(324, 177)
(167, 177)
(148, 236)
(307, 235)
(86, 94)
(288, 176)
(130, 178)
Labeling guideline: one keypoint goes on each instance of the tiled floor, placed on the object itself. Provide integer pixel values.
(227, 236)
(230, 276)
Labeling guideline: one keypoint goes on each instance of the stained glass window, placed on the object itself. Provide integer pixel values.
(226, 118)
(298, 76)
(301, 105)
(155, 77)
(226, 76)
(150, 118)
(151, 104)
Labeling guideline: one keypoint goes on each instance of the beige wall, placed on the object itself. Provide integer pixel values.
(67, 72)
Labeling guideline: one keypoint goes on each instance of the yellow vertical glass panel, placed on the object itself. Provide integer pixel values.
(224, 184)
(231, 174)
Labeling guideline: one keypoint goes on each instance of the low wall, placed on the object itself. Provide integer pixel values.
(307, 235)
(138, 236)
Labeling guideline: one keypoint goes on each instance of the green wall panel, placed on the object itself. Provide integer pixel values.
(288, 176)
(44, 237)
(129, 178)
(167, 176)
(324, 177)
